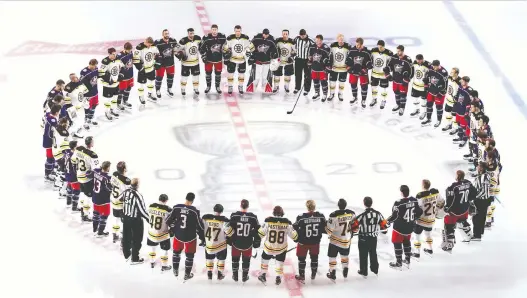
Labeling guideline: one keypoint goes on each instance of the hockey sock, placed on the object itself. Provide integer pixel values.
(209, 263)
(86, 206)
(235, 263)
(189, 262)
(341, 87)
(176, 258)
(324, 84)
(150, 86)
(230, 79)
(344, 260)
(276, 82)
(332, 86)
(316, 84)
(69, 195)
(429, 109)
(450, 235)
(96, 219)
(108, 104)
(417, 243)
(87, 113)
(397, 94)
(164, 258)
(246, 262)
(264, 266)
(141, 90)
(49, 166)
(195, 82)
(183, 83)
(490, 212)
(314, 263)
(407, 246)
(217, 78)
(102, 223)
(332, 263)
(403, 100)
(208, 78)
(448, 110)
(384, 94)
(114, 101)
(354, 90)
(453, 119)
(241, 79)
(159, 80)
(120, 96)
(398, 249)
(170, 80)
(439, 109)
(302, 266)
(152, 254)
(429, 240)
(287, 81)
(364, 91)
(423, 105)
(279, 268)
(221, 265)
(75, 199)
(116, 226)
(374, 92)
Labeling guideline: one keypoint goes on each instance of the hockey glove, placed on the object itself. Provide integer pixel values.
(369, 65)
(157, 65)
(204, 59)
(251, 61)
(121, 76)
(356, 69)
(472, 209)
(181, 56)
(290, 60)
(406, 78)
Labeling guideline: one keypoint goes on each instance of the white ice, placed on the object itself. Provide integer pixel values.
(326, 150)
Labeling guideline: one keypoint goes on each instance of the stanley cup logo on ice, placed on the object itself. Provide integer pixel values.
(226, 179)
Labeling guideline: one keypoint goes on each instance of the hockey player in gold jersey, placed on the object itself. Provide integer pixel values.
(275, 229)
(215, 240)
(85, 161)
(430, 200)
(119, 184)
(158, 233)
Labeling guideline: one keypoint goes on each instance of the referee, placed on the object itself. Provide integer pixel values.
(482, 201)
(302, 44)
(369, 222)
(133, 209)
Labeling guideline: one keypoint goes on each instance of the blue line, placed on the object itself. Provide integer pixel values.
(480, 48)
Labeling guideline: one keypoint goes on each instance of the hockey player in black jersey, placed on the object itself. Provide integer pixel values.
(437, 80)
(475, 115)
(127, 81)
(461, 108)
(102, 190)
(263, 51)
(211, 51)
(167, 48)
(310, 226)
(318, 61)
(459, 197)
(405, 211)
(399, 70)
(215, 239)
(359, 62)
(243, 236)
(185, 223)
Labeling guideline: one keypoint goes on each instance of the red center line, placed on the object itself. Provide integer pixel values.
(251, 157)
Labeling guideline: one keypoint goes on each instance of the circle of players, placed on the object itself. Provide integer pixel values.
(75, 168)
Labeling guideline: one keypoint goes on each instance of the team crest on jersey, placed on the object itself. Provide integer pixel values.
(450, 90)
(114, 71)
(398, 68)
(93, 81)
(379, 62)
(129, 64)
(284, 52)
(167, 52)
(263, 48)
(339, 57)
(434, 80)
(216, 48)
(316, 57)
(358, 60)
(460, 98)
(418, 74)
(149, 57)
(193, 50)
(238, 48)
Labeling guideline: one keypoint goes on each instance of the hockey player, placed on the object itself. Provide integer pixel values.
(158, 232)
(73, 99)
(144, 59)
(358, 63)
(462, 111)
(73, 190)
(57, 90)
(452, 88)
(405, 211)
(89, 77)
(51, 122)
(127, 80)
(166, 46)
(235, 51)
(215, 239)
(310, 226)
(286, 49)
(189, 46)
(243, 236)
(437, 80)
(211, 51)
(340, 232)
(318, 61)
(110, 74)
(482, 201)
(475, 115)
(262, 52)
(399, 70)
(85, 161)
(102, 190)
(431, 202)
(339, 69)
(275, 229)
(421, 67)
(380, 57)
(494, 168)
(185, 222)
(459, 197)
(60, 143)
(119, 184)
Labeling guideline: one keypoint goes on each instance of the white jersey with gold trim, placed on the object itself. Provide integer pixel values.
(451, 90)
(286, 49)
(380, 60)
(338, 56)
(191, 48)
(276, 230)
(85, 161)
(420, 71)
(158, 228)
(146, 56)
(339, 227)
(119, 184)
(215, 238)
(431, 202)
(238, 46)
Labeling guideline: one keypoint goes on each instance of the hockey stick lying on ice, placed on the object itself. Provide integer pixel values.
(297, 98)
(256, 252)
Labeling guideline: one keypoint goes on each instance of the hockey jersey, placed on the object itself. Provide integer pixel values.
(102, 188)
(458, 197)
(319, 57)
(263, 49)
(338, 56)
(51, 94)
(145, 57)
(158, 229)
(191, 48)
(128, 64)
(185, 222)
(420, 71)
(474, 126)
(430, 201)
(61, 142)
(359, 61)
(276, 230)
(119, 184)
(494, 173)
(49, 124)
(437, 80)
(215, 238)
(70, 171)
(404, 214)
(462, 101)
(109, 72)
(401, 69)
(339, 227)
(211, 48)
(75, 93)
(166, 49)
(89, 78)
(380, 60)
(242, 229)
(452, 88)
(85, 160)
(286, 50)
(310, 226)
(238, 47)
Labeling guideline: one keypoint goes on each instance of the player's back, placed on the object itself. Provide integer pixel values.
(185, 222)
(404, 214)
(243, 227)
(70, 170)
(102, 187)
(339, 227)
(431, 202)
(458, 196)
(119, 184)
(276, 230)
(215, 238)
(85, 160)
(158, 229)
(310, 226)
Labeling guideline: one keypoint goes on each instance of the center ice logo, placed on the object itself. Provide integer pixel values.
(238, 48)
(339, 57)
(379, 62)
(193, 50)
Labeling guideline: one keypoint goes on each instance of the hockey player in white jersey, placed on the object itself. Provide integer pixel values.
(275, 229)
(85, 161)
(60, 143)
(263, 58)
(419, 86)
(454, 82)
(432, 203)
(215, 240)
(235, 51)
(144, 59)
(110, 73)
(158, 232)
(73, 103)
(339, 69)
(189, 50)
(119, 184)
(287, 52)
(380, 57)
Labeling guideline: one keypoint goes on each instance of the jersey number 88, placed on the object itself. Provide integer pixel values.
(276, 237)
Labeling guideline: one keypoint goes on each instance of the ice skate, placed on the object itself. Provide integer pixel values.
(438, 123)
(166, 268)
(209, 273)
(275, 90)
(363, 103)
(401, 111)
(235, 276)
(240, 89)
(115, 238)
(86, 126)
(108, 116)
(453, 132)
(221, 276)
(331, 96)
(218, 89)
(296, 91)
(196, 92)
(316, 96)
(183, 93)
(457, 140)
(102, 234)
(306, 93)
(414, 113)
(396, 265)
(127, 105)
(324, 97)
(406, 262)
(151, 98)
(229, 91)
(278, 280)
(301, 278)
(463, 143)
(332, 275)
(467, 156)
(120, 106)
(49, 178)
(207, 90)
(447, 127)
(114, 114)
(416, 255)
(169, 92)
(158, 94)
(341, 97)
(262, 278)
(286, 88)
(313, 274)
(175, 271)
(138, 261)
(362, 274)
(245, 276)
(475, 239)
(383, 104)
(345, 272)
(396, 109)
(428, 251)
(142, 100)
(422, 117)
(188, 277)
(427, 122)
(85, 218)
(373, 103)
(353, 101)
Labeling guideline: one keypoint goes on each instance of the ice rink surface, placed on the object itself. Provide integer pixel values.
(322, 151)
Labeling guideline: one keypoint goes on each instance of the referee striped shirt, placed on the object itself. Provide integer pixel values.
(302, 47)
(133, 204)
(482, 185)
(370, 222)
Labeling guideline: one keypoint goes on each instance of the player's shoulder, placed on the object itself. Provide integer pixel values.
(334, 44)
(274, 219)
(427, 63)
(434, 191)
(140, 46)
(106, 61)
(208, 216)
(184, 40)
(443, 71)
(407, 59)
(125, 180)
(231, 36)
(90, 153)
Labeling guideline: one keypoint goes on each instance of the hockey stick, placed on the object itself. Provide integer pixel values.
(297, 98)
(256, 252)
